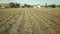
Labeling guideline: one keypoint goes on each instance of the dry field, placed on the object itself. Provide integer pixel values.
(30, 21)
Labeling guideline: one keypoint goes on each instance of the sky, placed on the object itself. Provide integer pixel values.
(32, 2)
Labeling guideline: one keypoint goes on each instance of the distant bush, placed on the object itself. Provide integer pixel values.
(26, 5)
(58, 6)
(0, 6)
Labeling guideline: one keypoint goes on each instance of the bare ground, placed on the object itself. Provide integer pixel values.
(30, 21)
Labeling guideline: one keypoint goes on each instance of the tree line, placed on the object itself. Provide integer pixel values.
(17, 5)
(52, 5)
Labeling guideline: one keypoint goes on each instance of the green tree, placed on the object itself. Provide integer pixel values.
(14, 5)
(46, 5)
